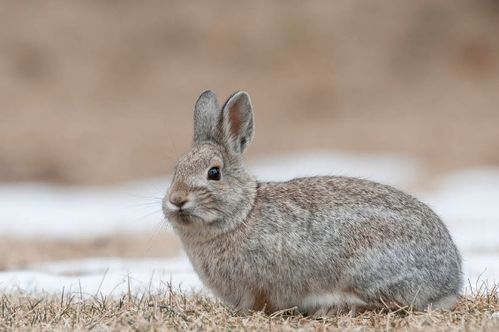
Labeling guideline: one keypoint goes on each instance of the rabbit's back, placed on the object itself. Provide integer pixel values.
(333, 239)
(352, 215)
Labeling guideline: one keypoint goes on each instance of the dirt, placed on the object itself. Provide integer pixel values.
(23, 252)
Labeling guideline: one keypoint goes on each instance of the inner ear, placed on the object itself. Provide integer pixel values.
(237, 116)
(238, 122)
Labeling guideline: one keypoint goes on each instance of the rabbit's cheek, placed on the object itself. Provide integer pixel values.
(208, 216)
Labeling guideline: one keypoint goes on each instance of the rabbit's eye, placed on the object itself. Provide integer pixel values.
(214, 173)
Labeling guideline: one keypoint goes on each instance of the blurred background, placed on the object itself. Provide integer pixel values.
(96, 103)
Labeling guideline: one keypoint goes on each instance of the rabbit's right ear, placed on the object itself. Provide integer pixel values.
(206, 118)
(237, 122)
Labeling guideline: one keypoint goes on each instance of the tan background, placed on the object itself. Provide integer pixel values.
(102, 91)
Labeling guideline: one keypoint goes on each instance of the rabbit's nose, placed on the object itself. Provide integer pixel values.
(178, 199)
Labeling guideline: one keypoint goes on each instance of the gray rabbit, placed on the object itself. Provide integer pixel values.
(317, 244)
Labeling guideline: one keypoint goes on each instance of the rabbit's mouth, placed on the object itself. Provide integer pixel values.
(180, 216)
(187, 217)
(184, 216)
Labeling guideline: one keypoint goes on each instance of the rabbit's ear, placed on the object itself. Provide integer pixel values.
(237, 122)
(206, 118)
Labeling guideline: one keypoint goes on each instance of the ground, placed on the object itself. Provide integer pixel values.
(24, 252)
(173, 310)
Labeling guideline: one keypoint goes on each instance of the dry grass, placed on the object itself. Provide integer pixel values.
(173, 310)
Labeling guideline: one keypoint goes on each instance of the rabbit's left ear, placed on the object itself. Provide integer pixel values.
(237, 122)
(206, 118)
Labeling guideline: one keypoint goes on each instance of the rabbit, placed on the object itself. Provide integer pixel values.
(318, 245)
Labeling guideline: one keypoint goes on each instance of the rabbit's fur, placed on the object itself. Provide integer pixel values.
(317, 244)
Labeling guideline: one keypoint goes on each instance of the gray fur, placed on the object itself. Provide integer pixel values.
(313, 243)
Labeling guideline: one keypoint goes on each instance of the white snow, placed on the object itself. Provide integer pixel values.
(468, 202)
(102, 276)
(58, 211)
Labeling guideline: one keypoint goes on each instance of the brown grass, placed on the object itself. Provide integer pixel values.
(173, 310)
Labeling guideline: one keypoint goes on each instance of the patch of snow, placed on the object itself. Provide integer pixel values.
(468, 202)
(59, 211)
(479, 268)
(110, 277)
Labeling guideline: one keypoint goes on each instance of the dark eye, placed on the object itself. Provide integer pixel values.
(214, 173)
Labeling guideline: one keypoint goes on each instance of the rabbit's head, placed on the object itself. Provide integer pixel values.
(210, 188)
